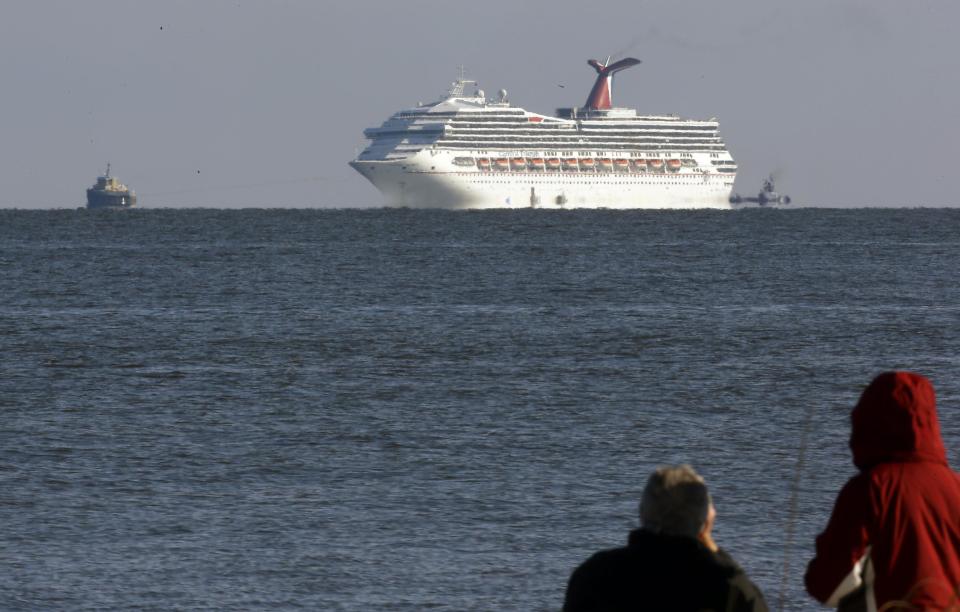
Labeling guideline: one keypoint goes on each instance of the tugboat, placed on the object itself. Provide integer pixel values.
(767, 195)
(110, 193)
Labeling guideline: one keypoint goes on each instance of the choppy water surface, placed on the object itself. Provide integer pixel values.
(392, 409)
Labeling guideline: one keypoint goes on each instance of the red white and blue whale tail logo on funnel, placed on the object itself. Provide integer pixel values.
(600, 96)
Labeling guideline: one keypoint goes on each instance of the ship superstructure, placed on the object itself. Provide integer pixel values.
(110, 193)
(468, 151)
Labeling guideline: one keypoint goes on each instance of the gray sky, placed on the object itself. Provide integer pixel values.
(262, 103)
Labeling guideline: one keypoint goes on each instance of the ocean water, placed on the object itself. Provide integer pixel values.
(410, 410)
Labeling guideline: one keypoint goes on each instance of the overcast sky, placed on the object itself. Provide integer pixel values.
(262, 103)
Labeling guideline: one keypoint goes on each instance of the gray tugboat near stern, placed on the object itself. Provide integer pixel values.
(767, 195)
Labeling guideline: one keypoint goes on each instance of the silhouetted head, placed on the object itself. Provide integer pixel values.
(675, 501)
(896, 420)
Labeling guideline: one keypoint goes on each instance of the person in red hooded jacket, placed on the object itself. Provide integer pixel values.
(894, 536)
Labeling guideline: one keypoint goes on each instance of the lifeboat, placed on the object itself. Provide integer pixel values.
(640, 165)
(518, 163)
(483, 163)
(463, 161)
(656, 165)
(587, 164)
(622, 165)
(606, 164)
(536, 163)
(673, 165)
(502, 163)
(553, 164)
(689, 163)
(569, 163)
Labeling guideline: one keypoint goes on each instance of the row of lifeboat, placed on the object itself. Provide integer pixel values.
(582, 164)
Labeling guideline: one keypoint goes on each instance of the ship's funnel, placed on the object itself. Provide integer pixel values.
(600, 97)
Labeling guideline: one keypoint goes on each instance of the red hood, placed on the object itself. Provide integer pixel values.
(896, 420)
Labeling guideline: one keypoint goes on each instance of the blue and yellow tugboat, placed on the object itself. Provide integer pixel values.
(110, 193)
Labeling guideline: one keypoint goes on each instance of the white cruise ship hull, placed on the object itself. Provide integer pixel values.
(434, 183)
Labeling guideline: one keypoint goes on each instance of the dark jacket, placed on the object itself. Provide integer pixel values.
(904, 504)
(660, 572)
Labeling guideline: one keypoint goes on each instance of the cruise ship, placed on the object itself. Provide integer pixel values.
(469, 151)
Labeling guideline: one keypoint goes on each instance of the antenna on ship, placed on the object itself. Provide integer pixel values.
(108, 170)
(456, 90)
(600, 97)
